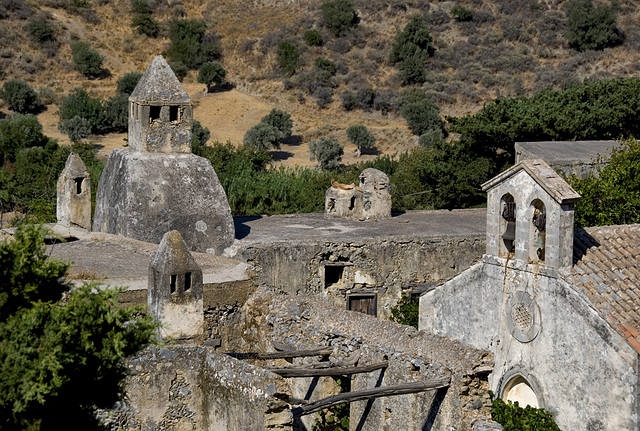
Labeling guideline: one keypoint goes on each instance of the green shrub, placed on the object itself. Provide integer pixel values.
(515, 418)
(339, 16)
(430, 138)
(116, 113)
(86, 60)
(361, 137)
(422, 116)
(260, 137)
(411, 49)
(211, 74)
(19, 131)
(327, 151)
(41, 31)
(179, 69)
(406, 311)
(145, 24)
(20, 97)
(127, 83)
(288, 58)
(281, 122)
(190, 43)
(613, 196)
(48, 95)
(77, 128)
(325, 65)
(313, 37)
(461, 13)
(592, 27)
(199, 136)
(80, 104)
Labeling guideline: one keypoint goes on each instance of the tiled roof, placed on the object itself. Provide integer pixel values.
(544, 175)
(607, 269)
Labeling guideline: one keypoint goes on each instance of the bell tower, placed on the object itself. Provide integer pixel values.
(530, 215)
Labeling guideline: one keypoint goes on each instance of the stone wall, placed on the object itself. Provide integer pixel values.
(580, 369)
(413, 356)
(377, 266)
(191, 388)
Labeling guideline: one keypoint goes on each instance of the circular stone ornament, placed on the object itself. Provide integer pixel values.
(523, 317)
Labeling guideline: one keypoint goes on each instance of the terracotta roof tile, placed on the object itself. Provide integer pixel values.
(607, 271)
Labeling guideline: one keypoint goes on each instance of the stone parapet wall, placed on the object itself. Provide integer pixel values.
(376, 265)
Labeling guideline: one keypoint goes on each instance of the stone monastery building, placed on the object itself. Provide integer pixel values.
(275, 318)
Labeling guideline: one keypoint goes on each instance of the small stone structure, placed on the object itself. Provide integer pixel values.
(558, 307)
(156, 184)
(174, 294)
(73, 207)
(370, 200)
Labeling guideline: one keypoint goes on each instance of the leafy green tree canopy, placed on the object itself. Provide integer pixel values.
(199, 136)
(211, 74)
(80, 104)
(281, 121)
(361, 137)
(19, 131)
(339, 16)
(260, 137)
(191, 45)
(60, 359)
(613, 196)
(21, 97)
(327, 151)
(592, 27)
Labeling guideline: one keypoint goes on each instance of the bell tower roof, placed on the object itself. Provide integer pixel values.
(159, 86)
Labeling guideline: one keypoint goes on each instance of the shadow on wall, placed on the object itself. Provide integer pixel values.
(242, 230)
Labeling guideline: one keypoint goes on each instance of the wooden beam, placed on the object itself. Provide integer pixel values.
(385, 391)
(321, 351)
(330, 371)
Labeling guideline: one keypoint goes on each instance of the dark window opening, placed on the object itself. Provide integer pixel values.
(78, 182)
(362, 303)
(172, 283)
(332, 275)
(187, 281)
(173, 113)
(154, 112)
(353, 203)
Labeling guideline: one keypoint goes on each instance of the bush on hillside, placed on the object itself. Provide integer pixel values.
(327, 152)
(80, 104)
(127, 83)
(191, 45)
(411, 49)
(86, 60)
(288, 58)
(199, 136)
(592, 27)
(281, 122)
(41, 31)
(20, 97)
(461, 13)
(422, 116)
(212, 74)
(313, 37)
(361, 137)
(339, 16)
(260, 137)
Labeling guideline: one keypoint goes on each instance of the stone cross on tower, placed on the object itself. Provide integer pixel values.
(174, 293)
(160, 112)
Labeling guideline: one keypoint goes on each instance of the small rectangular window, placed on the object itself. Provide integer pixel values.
(78, 182)
(173, 113)
(172, 283)
(154, 112)
(187, 281)
(332, 274)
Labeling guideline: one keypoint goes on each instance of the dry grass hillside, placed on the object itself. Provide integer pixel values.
(509, 48)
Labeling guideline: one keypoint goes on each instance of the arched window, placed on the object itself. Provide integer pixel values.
(518, 389)
(507, 224)
(538, 236)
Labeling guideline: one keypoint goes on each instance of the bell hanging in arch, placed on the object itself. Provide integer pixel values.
(510, 232)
